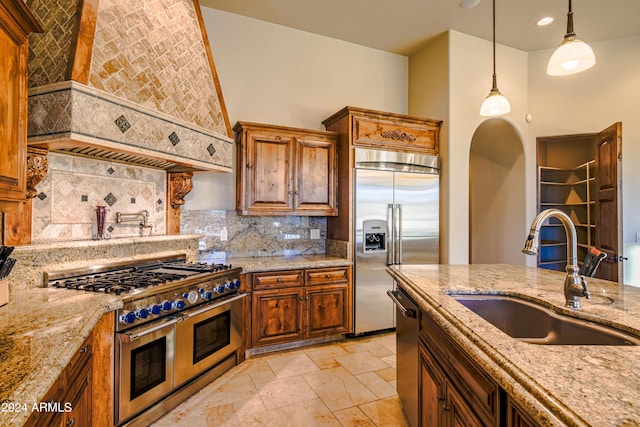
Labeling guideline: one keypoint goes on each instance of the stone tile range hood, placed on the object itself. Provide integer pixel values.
(130, 81)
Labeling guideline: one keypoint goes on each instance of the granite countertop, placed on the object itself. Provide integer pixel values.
(40, 331)
(273, 263)
(557, 385)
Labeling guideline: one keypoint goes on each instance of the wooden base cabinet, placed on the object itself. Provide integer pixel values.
(83, 394)
(454, 391)
(293, 305)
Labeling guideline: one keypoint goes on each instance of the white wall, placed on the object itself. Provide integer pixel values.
(278, 75)
(429, 97)
(469, 82)
(590, 102)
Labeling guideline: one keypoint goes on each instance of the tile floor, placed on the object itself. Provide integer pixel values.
(350, 383)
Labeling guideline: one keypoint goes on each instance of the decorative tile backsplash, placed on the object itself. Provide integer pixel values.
(65, 208)
(254, 236)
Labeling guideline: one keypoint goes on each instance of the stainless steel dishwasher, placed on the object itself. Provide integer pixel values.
(407, 353)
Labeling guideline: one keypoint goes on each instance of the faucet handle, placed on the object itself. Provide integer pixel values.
(585, 287)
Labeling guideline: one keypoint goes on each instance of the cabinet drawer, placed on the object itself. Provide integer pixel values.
(475, 386)
(322, 276)
(418, 135)
(277, 279)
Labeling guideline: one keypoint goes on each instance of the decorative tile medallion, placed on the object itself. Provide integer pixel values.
(174, 139)
(123, 124)
(85, 198)
(110, 199)
(211, 149)
(42, 196)
(110, 171)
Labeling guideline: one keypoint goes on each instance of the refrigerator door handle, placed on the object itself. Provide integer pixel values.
(391, 248)
(398, 238)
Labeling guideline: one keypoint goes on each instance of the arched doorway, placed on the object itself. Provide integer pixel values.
(497, 194)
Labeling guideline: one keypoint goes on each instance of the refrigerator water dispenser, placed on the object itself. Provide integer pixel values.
(375, 235)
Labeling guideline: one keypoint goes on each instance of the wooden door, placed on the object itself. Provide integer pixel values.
(269, 173)
(328, 310)
(316, 176)
(431, 391)
(277, 316)
(609, 201)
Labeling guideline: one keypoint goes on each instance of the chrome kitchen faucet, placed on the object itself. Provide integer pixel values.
(575, 285)
(141, 217)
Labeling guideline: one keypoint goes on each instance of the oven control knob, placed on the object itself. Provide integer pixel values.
(192, 296)
(179, 304)
(143, 313)
(238, 283)
(207, 295)
(156, 309)
(167, 306)
(219, 289)
(128, 317)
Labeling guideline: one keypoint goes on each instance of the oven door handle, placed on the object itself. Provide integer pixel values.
(129, 337)
(211, 307)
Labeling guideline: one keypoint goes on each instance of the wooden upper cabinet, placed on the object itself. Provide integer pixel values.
(285, 171)
(16, 23)
(389, 131)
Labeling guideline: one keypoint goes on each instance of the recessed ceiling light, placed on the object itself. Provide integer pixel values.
(544, 21)
(468, 4)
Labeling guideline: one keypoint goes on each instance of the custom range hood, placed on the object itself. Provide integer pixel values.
(129, 81)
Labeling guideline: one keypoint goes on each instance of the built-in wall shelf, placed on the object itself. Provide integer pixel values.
(571, 191)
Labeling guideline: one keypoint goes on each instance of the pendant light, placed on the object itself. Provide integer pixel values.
(573, 55)
(495, 104)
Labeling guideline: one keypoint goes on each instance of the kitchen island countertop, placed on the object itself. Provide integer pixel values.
(40, 331)
(555, 384)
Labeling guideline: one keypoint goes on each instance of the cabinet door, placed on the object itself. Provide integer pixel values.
(327, 310)
(13, 107)
(277, 316)
(80, 397)
(458, 411)
(316, 176)
(268, 173)
(431, 392)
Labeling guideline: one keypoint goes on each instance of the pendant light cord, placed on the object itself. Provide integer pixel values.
(495, 83)
(570, 22)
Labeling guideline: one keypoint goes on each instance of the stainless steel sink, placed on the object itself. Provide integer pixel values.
(533, 323)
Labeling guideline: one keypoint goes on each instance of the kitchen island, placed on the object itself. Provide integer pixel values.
(553, 384)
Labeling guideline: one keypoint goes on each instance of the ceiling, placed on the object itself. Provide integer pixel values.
(404, 26)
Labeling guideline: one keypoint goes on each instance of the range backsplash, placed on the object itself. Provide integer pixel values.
(253, 236)
(64, 209)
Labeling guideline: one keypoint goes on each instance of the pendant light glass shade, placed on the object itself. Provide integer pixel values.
(573, 55)
(495, 104)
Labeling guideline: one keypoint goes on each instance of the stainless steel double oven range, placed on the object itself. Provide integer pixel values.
(179, 328)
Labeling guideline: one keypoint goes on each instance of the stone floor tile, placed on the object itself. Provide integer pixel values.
(353, 417)
(338, 389)
(311, 413)
(282, 392)
(377, 385)
(290, 364)
(386, 412)
(359, 363)
(387, 374)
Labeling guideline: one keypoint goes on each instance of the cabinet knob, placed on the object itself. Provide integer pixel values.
(85, 349)
(445, 407)
(71, 422)
(327, 276)
(279, 280)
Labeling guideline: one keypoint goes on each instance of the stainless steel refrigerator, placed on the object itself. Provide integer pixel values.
(396, 222)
